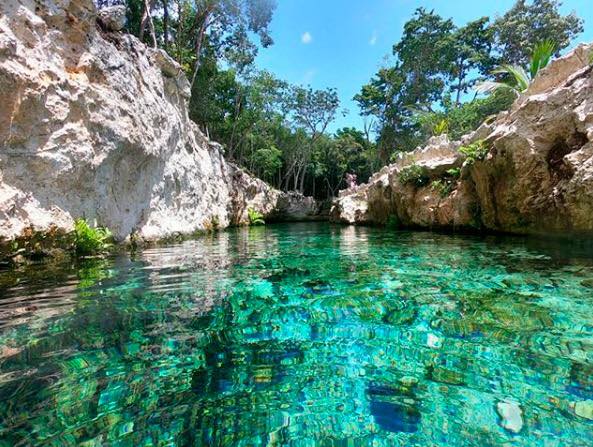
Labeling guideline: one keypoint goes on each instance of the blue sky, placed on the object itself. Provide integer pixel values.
(342, 43)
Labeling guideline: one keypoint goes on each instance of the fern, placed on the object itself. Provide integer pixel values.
(89, 240)
(255, 217)
(413, 174)
(476, 151)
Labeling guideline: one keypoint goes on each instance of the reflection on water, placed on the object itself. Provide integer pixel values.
(303, 335)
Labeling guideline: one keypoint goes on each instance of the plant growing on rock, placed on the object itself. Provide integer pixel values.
(88, 240)
(445, 186)
(255, 217)
(475, 151)
(413, 174)
(514, 77)
(454, 173)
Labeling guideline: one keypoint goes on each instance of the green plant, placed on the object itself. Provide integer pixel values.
(542, 53)
(442, 186)
(515, 78)
(591, 57)
(89, 240)
(454, 173)
(413, 174)
(255, 217)
(441, 127)
(473, 152)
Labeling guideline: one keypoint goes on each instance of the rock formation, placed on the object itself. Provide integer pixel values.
(94, 124)
(535, 176)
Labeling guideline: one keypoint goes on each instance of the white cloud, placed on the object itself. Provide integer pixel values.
(306, 38)
(374, 38)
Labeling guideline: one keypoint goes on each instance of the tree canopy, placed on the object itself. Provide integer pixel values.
(280, 132)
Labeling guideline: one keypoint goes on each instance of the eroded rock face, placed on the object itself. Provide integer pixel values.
(536, 178)
(95, 124)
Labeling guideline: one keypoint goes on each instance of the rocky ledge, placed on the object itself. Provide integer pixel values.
(528, 171)
(94, 124)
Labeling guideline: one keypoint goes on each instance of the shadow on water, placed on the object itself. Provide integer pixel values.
(301, 335)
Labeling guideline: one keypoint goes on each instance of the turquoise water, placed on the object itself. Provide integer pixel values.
(303, 335)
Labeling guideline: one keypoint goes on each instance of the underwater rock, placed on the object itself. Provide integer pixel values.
(584, 409)
(511, 416)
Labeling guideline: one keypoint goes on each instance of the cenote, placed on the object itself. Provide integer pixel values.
(303, 335)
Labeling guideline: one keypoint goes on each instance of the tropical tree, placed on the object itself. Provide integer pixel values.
(529, 22)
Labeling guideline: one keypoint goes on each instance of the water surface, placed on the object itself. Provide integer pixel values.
(303, 335)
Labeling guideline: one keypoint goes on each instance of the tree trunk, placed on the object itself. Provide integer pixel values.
(199, 42)
(459, 84)
(166, 25)
(147, 19)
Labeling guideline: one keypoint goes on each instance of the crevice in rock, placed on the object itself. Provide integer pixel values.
(559, 169)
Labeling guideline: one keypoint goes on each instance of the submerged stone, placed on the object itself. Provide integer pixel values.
(584, 409)
(511, 416)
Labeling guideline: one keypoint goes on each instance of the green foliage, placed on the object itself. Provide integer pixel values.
(527, 23)
(443, 187)
(413, 174)
(437, 64)
(473, 152)
(441, 127)
(514, 77)
(542, 53)
(466, 117)
(88, 240)
(454, 173)
(255, 217)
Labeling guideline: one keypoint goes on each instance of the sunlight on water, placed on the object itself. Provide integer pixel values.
(303, 335)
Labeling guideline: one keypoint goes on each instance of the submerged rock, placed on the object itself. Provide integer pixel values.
(511, 416)
(95, 124)
(584, 409)
(537, 176)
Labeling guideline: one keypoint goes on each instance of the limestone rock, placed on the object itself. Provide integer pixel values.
(511, 416)
(536, 178)
(113, 18)
(97, 126)
(584, 409)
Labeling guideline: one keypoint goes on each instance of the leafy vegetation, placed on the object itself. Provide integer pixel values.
(413, 174)
(473, 152)
(437, 64)
(255, 217)
(279, 131)
(445, 186)
(515, 78)
(90, 241)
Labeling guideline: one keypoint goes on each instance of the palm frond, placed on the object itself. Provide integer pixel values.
(489, 87)
(518, 77)
(542, 53)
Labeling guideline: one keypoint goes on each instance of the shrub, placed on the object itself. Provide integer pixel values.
(443, 187)
(413, 174)
(89, 240)
(255, 217)
(454, 173)
(476, 151)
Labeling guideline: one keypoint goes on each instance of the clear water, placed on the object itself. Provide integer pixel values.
(303, 335)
